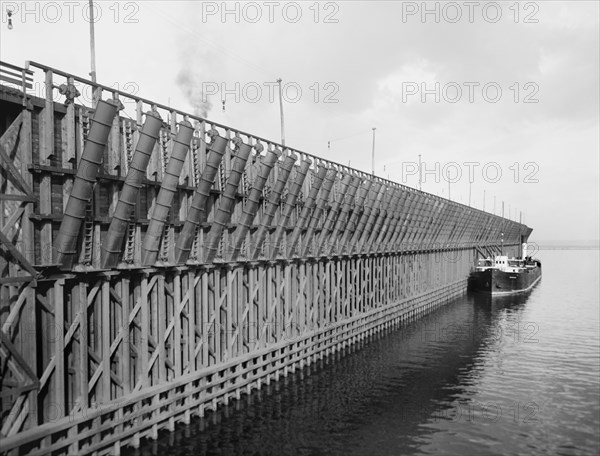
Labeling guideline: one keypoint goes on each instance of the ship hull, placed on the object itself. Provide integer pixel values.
(496, 282)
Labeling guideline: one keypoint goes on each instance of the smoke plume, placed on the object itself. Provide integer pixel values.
(191, 86)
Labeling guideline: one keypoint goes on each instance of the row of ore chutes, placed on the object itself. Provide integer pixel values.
(111, 249)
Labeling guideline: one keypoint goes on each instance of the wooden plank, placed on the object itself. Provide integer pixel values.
(287, 308)
(69, 135)
(161, 324)
(144, 374)
(253, 310)
(15, 81)
(83, 363)
(177, 318)
(219, 348)
(13, 197)
(46, 152)
(59, 350)
(241, 305)
(191, 322)
(69, 147)
(28, 315)
(12, 280)
(204, 309)
(127, 317)
(105, 343)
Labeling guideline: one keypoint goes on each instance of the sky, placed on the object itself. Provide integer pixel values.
(497, 99)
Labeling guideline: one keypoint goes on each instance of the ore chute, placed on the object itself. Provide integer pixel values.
(228, 197)
(216, 151)
(166, 193)
(112, 248)
(267, 163)
(87, 172)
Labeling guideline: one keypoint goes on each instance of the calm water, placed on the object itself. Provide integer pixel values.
(502, 377)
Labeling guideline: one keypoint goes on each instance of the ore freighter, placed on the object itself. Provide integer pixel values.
(502, 275)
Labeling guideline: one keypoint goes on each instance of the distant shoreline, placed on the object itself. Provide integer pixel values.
(568, 247)
(591, 244)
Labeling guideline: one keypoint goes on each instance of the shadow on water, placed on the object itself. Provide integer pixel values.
(378, 399)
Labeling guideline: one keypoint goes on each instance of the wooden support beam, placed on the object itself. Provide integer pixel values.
(46, 138)
(59, 350)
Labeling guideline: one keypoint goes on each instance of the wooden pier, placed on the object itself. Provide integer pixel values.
(155, 264)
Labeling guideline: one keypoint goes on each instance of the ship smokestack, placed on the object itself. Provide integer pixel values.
(524, 250)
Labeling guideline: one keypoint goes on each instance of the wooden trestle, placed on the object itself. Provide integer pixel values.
(195, 263)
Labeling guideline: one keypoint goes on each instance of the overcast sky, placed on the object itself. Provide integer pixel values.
(505, 92)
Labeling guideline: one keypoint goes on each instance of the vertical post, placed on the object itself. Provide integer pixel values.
(84, 336)
(59, 348)
(469, 193)
(420, 172)
(281, 113)
(373, 154)
(484, 200)
(92, 43)
(105, 340)
(46, 142)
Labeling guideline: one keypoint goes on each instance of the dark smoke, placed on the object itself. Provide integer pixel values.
(191, 86)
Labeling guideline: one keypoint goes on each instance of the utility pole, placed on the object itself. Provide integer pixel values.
(92, 42)
(469, 193)
(373, 154)
(420, 173)
(281, 113)
(484, 200)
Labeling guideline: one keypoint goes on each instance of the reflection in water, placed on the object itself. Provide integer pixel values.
(479, 376)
